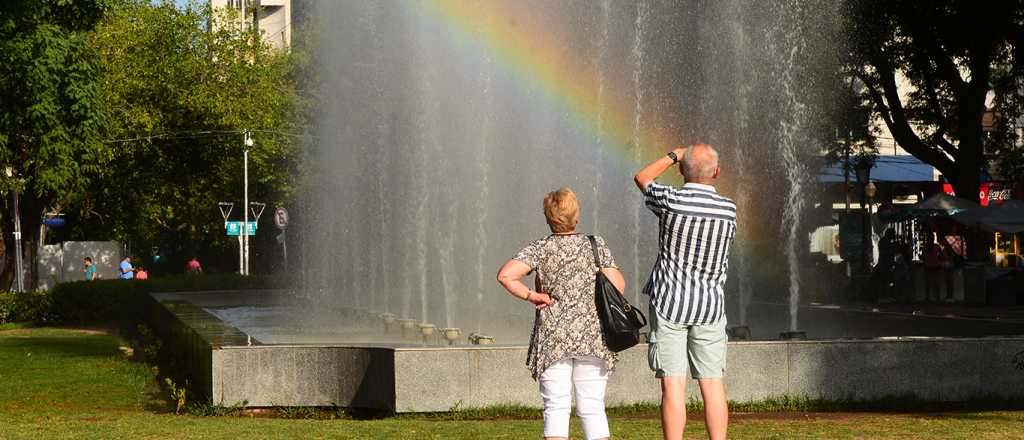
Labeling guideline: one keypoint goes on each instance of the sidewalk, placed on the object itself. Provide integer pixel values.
(946, 310)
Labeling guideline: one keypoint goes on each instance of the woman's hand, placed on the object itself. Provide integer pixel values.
(539, 300)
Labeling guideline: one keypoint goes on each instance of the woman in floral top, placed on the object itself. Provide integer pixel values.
(566, 347)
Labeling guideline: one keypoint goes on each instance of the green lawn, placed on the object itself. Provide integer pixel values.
(59, 383)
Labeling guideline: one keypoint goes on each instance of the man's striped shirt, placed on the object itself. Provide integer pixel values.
(696, 228)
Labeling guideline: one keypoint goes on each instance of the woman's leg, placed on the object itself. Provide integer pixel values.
(590, 378)
(556, 390)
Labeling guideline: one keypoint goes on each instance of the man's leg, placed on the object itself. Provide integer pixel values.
(716, 409)
(666, 354)
(707, 355)
(673, 407)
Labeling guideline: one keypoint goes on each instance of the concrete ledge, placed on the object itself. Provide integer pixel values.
(221, 366)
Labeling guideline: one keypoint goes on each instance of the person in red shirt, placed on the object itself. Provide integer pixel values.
(141, 274)
(934, 257)
(193, 266)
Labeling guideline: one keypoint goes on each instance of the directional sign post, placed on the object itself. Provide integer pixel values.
(235, 228)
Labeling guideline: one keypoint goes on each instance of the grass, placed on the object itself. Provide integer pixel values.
(66, 383)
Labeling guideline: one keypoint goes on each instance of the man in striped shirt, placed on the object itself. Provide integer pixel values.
(687, 317)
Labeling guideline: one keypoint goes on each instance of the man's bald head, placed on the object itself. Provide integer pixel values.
(700, 164)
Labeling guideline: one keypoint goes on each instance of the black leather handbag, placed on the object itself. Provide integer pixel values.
(620, 322)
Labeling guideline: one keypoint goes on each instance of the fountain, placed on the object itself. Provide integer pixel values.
(385, 99)
(407, 324)
(451, 334)
(793, 335)
(426, 330)
(739, 332)
(479, 339)
(388, 319)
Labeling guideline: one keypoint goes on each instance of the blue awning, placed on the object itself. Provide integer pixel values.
(886, 169)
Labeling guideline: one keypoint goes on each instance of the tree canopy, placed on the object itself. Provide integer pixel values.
(180, 86)
(128, 116)
(51, 112)
(954, 55)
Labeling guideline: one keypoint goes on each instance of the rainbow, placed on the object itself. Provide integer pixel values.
(520, 41)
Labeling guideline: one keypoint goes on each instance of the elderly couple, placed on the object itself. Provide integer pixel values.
(687, 314)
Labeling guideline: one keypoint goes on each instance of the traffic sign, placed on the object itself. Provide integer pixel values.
(281, 218)
(235, 228)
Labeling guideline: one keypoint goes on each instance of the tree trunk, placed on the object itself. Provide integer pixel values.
(7, 228)
(31, 220)
(965, 174)
(31, 226)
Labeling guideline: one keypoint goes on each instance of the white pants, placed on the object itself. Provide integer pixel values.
(590, 377)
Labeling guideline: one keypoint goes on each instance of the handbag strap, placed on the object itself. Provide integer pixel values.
(593, 247)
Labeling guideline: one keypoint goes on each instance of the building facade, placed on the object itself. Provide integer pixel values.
(274, 18)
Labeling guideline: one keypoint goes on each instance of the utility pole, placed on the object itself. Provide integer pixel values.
(256, 17)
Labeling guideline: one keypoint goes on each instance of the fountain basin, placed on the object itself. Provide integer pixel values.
(212, 354)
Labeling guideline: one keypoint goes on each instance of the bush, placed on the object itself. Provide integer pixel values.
(31, 307)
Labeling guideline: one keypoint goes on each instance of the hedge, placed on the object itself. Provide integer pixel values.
(33, 307)
(118, 302)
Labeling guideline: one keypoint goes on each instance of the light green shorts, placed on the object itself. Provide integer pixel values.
(671, 347)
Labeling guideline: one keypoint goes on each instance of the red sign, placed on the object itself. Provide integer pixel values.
(994, 192)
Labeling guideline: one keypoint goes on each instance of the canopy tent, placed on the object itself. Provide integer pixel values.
(938, 205)
(1006, 217)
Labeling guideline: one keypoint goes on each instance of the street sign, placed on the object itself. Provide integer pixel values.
(54, 222)
(235, 228)
(281, 218)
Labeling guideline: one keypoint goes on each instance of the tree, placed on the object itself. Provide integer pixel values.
(50, 114)
(179, 86)
(953, 55)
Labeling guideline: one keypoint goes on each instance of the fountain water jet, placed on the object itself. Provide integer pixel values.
(456, 121)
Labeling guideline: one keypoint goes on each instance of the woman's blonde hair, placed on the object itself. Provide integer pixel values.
(562, 210)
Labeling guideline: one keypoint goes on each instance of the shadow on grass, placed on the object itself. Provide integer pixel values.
(71, 345)
(971, 416)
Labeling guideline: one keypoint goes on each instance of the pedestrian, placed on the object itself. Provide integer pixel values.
(193, 266)
(884, 270)
(89, 269)
(567, 348)
(141, 274)
(126, 269)
(934, 272)
(686, 286)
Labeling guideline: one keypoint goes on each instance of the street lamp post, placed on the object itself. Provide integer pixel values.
(245, 202)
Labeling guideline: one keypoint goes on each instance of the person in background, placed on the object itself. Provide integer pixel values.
(193, 266)
(89, 270)
(127, 272)
(141, 274)
(935, 276)
(567, 349)
(884, 271)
